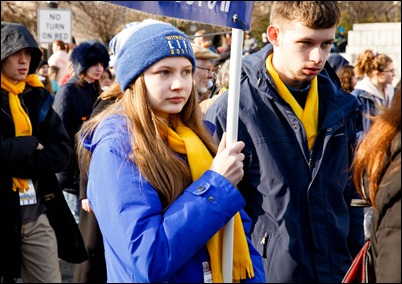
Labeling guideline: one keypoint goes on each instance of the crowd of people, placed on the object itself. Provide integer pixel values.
(130, 140)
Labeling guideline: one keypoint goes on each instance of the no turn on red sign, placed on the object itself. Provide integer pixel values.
(54, 24)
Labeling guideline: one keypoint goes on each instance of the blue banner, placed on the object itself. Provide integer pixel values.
(234, 14)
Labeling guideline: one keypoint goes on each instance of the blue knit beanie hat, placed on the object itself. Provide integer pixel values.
(141, 44)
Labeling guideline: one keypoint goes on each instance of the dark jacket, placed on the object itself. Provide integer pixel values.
(74, 106)
(386, 220)
(299, 201)
(20, 158)
(336, 61)
(92, 270)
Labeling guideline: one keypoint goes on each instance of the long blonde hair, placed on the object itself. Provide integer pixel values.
(164, 169)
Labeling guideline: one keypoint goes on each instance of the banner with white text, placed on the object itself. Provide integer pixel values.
(221, 13)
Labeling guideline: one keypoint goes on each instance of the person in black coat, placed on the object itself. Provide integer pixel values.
(377, 177)
(93, 270)
(74, 102)
(34, 147)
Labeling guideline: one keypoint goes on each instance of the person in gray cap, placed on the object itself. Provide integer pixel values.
(203, 75)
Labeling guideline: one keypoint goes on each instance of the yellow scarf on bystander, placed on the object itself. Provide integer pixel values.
(21, 119)
(309, 115)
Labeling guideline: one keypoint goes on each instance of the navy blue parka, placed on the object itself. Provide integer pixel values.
(298, 200)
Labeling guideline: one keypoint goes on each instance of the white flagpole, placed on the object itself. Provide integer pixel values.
(231, 136)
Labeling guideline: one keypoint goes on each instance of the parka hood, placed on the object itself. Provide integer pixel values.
(15, 37)
(114, 127)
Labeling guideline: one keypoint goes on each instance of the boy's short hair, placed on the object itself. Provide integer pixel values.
(313, 14)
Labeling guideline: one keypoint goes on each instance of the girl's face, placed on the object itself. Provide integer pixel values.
(387, 75)
(105, 80)
(168, 85)
(44, 70)
(94, 72)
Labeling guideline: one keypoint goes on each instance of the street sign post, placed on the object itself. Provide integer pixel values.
(54, 24)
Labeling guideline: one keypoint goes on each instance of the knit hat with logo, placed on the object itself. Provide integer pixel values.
(141, 44)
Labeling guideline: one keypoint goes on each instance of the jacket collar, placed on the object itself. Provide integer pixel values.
(335, 104)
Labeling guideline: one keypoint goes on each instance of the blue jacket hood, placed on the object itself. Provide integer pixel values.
(115, 125)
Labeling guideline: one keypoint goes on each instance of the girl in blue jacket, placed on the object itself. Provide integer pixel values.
(158, 186)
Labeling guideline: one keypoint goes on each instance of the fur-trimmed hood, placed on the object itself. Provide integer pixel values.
(89, 53)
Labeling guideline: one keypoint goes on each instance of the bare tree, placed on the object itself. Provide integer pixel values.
(12, 11)
(90, 19)
(352, 12)
(102, 20)
(260, 18)
(369, 12)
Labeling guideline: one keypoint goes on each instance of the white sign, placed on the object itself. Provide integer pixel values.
(54, 24)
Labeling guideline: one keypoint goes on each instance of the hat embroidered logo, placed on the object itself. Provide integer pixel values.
(178, 45)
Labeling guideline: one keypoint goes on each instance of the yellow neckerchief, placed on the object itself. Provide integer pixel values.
(184, 141)
(308, 116)
(21, 120)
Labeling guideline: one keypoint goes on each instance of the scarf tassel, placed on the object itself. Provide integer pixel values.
(184, 140)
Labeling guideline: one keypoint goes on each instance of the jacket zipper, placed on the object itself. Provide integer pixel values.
(264, 242)
(310, 159)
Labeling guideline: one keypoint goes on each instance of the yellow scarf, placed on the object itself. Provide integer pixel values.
(21, 120)
(308, 116)
(184, 141)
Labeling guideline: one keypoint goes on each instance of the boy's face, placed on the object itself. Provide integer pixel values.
(299, 52)
(16, 66)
